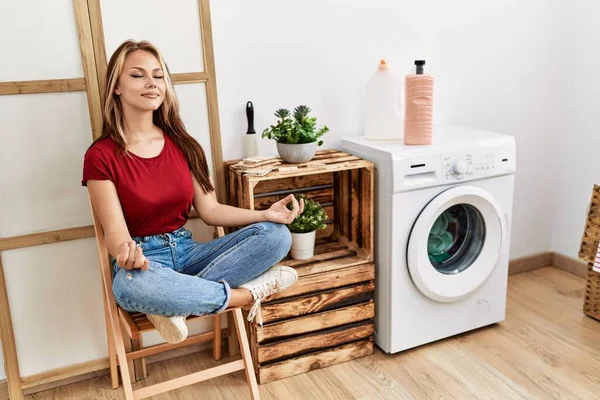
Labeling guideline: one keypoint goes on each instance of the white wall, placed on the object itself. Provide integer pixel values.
(499, 66)
(578, 160)
(494, 61)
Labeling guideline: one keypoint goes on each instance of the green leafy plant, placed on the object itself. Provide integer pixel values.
(312, 218)
(295, 129)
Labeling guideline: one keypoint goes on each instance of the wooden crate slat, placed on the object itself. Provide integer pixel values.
(327, 159)
(366, 213)
(318, 360)
(316, 322)
(314, 342)
(232, 190)
(320, 267)
(328, 244)
(325, 155)
(327, 151)
(329, 280)
(343, 204)
(327, 232)
(320, 196)
(325, 245)
(354, 205)
(241, 188)
(294, 182)
(248, 194)
(317, 302)
(330, 211)
(342, 166)
(322, 256)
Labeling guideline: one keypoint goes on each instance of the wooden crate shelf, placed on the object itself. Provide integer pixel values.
(327, 316)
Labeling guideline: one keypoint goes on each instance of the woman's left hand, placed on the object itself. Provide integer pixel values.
(279, 213)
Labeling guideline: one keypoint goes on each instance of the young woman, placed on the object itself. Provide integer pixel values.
(144, 173)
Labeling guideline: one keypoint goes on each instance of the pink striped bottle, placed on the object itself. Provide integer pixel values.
(418, 111)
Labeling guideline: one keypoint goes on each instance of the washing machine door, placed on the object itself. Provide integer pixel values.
(455, 243)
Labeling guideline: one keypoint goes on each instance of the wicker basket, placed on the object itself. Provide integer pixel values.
(587, 252)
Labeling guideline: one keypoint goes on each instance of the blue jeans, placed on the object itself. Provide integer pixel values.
(190, 278)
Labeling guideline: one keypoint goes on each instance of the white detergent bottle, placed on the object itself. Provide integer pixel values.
(383, 105)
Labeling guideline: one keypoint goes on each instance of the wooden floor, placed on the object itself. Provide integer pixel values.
(546, 349)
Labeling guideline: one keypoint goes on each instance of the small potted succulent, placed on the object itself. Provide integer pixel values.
(296, 135)
(304, 228)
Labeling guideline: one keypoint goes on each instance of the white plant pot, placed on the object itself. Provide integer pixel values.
(303, 245)
(296, 153)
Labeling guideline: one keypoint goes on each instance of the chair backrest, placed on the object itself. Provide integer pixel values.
(102, 250)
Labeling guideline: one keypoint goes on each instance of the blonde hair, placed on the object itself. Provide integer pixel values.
(165, 117)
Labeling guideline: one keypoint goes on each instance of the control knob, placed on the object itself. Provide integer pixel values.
(460, 167)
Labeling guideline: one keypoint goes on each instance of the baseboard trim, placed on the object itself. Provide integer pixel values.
(75, 373)
(569, 264)
(528, 263)
(60, 374)
(550, 258)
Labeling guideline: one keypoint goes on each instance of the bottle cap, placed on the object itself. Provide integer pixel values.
(382, 64)
(419, 64)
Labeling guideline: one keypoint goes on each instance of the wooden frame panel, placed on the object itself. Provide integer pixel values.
(98, 45)
(9, 348)
(211, 93)
(43, 86)
(91, 40)
(90, 84)
(36, 239)
(84, 31)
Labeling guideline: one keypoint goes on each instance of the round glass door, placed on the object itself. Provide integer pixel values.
(456, 239)
(455, 243)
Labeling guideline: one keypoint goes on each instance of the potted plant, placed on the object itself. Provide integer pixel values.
(304, 228)
(297, 135)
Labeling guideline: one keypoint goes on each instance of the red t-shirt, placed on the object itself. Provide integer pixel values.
(156, 193)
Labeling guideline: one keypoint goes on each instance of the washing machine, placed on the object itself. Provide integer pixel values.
(442, 233)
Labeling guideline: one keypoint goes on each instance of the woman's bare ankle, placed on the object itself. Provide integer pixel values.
(239, 297)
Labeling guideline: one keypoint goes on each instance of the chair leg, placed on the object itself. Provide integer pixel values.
(128, 348)
(217, 339)
(232, 341)
(121, 355)
(112, 355)
(139, 365)
(245, 350)
(119, 346)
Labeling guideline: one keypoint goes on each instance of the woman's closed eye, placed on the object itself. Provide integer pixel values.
(141, 76)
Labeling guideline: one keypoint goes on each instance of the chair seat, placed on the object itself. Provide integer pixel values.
(137, 323)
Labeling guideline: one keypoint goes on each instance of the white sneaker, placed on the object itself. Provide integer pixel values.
(171, 329)
(274, 280)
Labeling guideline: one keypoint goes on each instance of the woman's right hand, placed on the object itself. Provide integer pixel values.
(131, 256)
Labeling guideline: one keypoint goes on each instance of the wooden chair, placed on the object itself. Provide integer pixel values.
(134, 324)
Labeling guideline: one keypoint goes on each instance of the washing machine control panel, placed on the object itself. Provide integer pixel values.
(464, 166)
